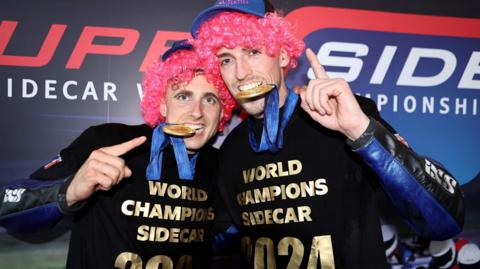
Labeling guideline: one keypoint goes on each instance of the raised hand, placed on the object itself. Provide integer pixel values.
(331, 102)
(101, 171)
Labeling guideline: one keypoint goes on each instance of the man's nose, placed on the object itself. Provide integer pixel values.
(197, 109)
(242, 69)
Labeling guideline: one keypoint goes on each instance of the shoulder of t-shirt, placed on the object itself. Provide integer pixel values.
(104, 135)
(109, 131)
(70, 158)
(235, 137)
(209, 150)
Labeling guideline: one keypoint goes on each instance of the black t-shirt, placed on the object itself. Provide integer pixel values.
(139, 223)
(309, 205)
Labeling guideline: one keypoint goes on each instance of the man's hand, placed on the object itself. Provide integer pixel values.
(331, 102)
(101, 171)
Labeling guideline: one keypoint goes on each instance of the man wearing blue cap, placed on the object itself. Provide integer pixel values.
(128, 214)
(301, 174)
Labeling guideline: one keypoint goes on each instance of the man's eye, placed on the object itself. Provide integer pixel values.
(225, 61)
(254, 52)
(211, 100)
(181, 97)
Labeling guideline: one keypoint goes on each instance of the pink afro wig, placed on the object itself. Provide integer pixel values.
(233, 29)
(180, 67)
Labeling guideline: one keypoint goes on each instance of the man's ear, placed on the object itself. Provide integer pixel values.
(220, 119)
(284, 58)
(163, 108)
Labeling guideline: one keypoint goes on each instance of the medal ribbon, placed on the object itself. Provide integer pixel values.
(272, 133)
(160, 140)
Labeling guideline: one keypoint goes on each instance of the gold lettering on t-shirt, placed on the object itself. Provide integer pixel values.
(321, 248)
(281, 172)
(174, 191)
(128, 257)
(294, 190)
(156, 212)
(246, 247)
(264, 247)
(159, 261)
(129, 260)
(272, 170)
(172, 235)
(248, 175)
(277, 216)
(184, 262)
(262, 195)
(294, 167)
(126, 207)
(141, 209)
(167, 212)
(297, 250)
(174, 213)
(260, 173)
(265, 257)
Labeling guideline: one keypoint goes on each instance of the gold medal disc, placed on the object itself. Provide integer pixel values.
(257, 91)
(178, 130)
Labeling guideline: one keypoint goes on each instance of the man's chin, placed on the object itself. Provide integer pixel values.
(192, 149)
(256, 113)
(254, 108)
(195, 143)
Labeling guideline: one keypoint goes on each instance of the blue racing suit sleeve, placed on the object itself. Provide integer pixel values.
(226, 240)
(428, 197)
(229, 239)
(31, 205)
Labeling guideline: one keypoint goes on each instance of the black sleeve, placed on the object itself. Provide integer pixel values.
(95, 137)
(38, 202)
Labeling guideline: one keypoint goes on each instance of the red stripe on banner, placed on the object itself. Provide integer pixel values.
(159, 46)
(45, 54)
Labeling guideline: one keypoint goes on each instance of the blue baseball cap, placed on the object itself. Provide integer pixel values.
(177, 45)
(254, 7)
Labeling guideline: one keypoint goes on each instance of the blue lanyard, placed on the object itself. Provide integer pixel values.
(185, 166)
(272, 133)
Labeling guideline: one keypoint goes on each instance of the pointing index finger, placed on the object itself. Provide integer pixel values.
(124, 147)
(317, 68)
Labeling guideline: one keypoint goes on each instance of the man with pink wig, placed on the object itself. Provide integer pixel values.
(134, 205)
(301, 174)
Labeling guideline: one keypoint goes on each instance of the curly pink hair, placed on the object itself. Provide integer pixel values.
(180, 67)
(233, 29)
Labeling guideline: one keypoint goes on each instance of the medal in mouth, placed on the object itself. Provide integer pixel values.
(252, 90)
(178, 130)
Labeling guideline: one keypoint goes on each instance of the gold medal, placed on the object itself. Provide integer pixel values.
(257, 91)
(178, 130)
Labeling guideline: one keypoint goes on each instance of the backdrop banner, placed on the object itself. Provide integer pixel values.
(67, 65)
